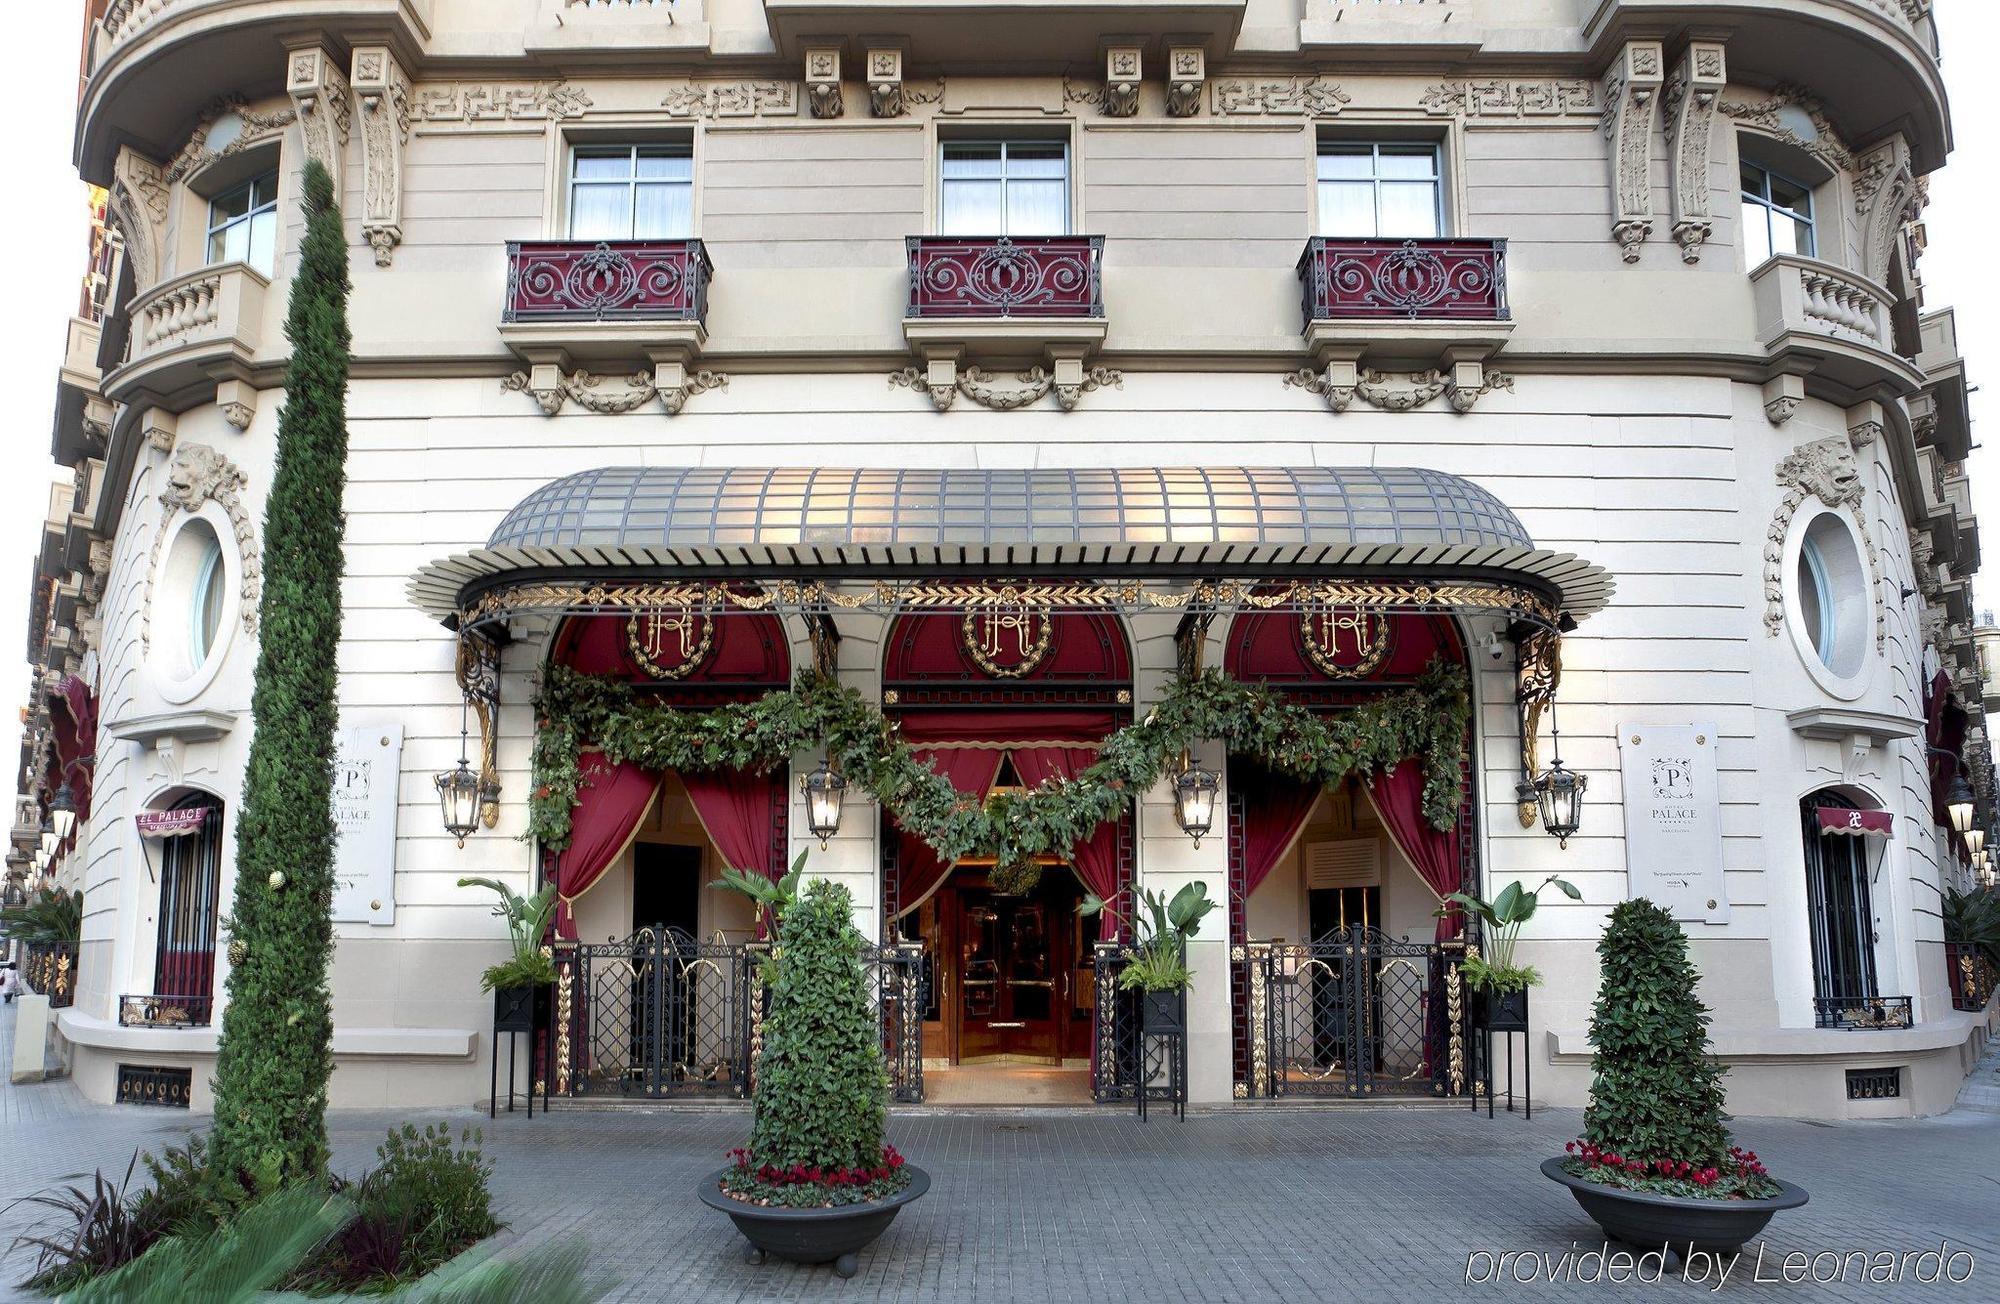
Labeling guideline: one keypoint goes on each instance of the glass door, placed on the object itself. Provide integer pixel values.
(1011, 981)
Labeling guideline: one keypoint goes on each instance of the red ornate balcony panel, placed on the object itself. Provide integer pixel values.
(1002, 276)
(1404, 280)
(617, 280)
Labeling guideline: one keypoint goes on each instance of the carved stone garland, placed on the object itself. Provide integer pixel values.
(196, 475)
(1828, 470)
(1633, 94)
(670, 383)
(1766, 115)
(1692, 97)
(1399, 391)
(1028, 386)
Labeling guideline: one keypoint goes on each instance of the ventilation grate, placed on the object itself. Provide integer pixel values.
(1874, 1084)
(145, 1084)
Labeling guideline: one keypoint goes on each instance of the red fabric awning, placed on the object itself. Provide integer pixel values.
(182, 823)
(1856, 823)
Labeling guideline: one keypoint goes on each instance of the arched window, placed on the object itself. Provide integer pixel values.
(190, 884)
(1839, 914)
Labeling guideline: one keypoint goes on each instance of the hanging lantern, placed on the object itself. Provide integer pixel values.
(1982, 860)
(1975, 840)
(1194, 799)
(62, 812)
(823, 789)
(49, 839)
(1960, 804)
(459, 792)
(1559, 794)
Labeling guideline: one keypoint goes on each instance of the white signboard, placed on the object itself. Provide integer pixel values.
(1673, 819)
(367, 774)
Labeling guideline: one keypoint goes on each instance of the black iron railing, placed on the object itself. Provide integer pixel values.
(50, 969)
(1130, 1062)
(1862, 1013)
(1972, 976)
(169, 1011)
(1005, 276)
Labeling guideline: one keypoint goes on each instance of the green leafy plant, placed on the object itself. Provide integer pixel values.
(1427, 721)
(1161, 934)
(1503, 917)
(821, 1110)
(51, 917)
(772, 899)
(1655, 1115)
(424, 1202)
(527, 924)
(1973, 918)
(275, 1053)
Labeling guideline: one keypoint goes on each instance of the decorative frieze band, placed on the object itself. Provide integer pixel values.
(501, 102)
(1514, 100)
(744, 99)
(1293, 97)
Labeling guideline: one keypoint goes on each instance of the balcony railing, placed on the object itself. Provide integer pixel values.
(1005, 276)
(1404, 280)
(614, 280)
(1862, 1013)
(1972, 976)
(51, 970)
(224, 303)
(165, 1011)
(1804, 294)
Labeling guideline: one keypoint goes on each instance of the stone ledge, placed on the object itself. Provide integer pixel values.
(348, 1043)
(1802, 1045)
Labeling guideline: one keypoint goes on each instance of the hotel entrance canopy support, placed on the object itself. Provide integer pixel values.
(1201, 540)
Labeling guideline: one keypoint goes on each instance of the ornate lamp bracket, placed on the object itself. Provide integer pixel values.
(1191, 638)
(478, 673)
(825, 638)
(1538, 653)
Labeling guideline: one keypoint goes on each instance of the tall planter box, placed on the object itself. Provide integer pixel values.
(1160, 1011)
(1507, 1011)
(522, 1009)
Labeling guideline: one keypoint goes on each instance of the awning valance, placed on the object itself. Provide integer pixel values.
(666, 524)
(184, 822)
(1845, 822)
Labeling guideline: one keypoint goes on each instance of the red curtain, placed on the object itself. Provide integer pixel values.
(971, 770)
(1275, 811)
(1095, 858)
(1399, 800)
(735, 809)
(610, 804)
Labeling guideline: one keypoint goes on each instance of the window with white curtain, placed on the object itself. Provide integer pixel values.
(1380, 189)
(1004, 187)
(631, 192)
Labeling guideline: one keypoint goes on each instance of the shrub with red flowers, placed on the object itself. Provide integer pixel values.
(818, 1136)
(1740, 1176)
(803, 1187)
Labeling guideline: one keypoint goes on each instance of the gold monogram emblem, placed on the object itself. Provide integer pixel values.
(1345, 642)
(1008, 639)
(670, 642)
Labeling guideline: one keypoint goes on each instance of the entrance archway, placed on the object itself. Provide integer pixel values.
(1010, 697)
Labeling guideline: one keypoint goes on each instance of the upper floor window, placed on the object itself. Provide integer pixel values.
(632, 192)
(1777, 215)
(205, 604)
(1004, 187)
(243, 224)
(1380, 189)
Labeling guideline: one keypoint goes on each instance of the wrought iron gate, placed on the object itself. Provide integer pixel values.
(1356, 1013)
(662, 1015)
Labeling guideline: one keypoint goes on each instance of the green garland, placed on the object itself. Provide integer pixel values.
(575, 710)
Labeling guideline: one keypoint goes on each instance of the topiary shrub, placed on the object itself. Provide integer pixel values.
(1655, 1115)
(822, 1090)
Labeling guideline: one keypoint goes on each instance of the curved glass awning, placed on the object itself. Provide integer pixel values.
(622, 538)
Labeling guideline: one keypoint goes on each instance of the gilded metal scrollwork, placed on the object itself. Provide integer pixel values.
(478, 673)
(1540, 655)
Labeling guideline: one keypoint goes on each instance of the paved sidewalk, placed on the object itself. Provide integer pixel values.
(1236, 1205)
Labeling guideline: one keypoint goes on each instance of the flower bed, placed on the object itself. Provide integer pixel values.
(801, 1187)
(1741, 1177)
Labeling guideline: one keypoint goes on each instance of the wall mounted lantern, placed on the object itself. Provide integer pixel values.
(459, 796)
(824, 789)
(62, 812)
(1559, 792)
(1194, 799)
(1959, 804)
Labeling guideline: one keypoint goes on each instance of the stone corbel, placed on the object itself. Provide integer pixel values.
(160, 428)
(140, 200)
(1123, 71)
(1692, 98)
(383, 92)
(553, 384)
(1782, 396)
(885, 81)
(325, 106)
(1633, 93)
(1865, 424)
(823, 95)
(238, 401)
(1461, 379)
(1187, 73)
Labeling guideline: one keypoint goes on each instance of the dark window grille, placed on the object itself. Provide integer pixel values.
(147, 1084)
(1838, 909)
(190, 883)
(1874, 1084)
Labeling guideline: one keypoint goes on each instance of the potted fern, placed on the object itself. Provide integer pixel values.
(1158, 969)
(1655, 1165)
(1504, 983)
(523, 982)
(818, 1182)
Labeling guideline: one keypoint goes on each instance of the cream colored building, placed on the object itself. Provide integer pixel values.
(1627, 281)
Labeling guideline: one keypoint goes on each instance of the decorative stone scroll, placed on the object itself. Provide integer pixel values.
(1463, 385)
(197, 475)
(1069, 381)
(1692, 97)
(1828, 470)
(1632, 94)
(256, 129)
(1767, 115)
(746, 99)
(823, 81)
(502, 102)
(669, 382)
(1514, 100)
(1887, 198)
(384, 94)
(1292, 97)
(139, 202)
(1187, 73)
(325, 107)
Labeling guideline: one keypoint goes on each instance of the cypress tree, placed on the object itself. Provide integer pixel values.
(276, 1053)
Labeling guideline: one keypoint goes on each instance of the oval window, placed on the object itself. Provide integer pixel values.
(205, 601)
(1831, 588)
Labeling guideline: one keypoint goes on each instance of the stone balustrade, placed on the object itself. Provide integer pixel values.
(203, 323)
(1812, 307)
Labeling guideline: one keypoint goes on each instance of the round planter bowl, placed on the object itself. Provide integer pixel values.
(835, 1235)
(1651, 1221)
